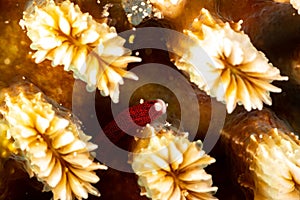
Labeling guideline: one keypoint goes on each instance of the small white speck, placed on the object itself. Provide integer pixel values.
(142, 101)
(6, 22)
(7, 61)
(137, 53)
(168, 124)
(158, 106)
(134, 8)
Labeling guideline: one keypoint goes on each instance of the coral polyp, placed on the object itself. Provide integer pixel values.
(265, 155)
(275, 148)
(236, 73)
(296, 5)
(169, 8)
(56, 150)
(169, 166)
(66, 36)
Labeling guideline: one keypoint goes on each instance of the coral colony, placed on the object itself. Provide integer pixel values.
(52, 147)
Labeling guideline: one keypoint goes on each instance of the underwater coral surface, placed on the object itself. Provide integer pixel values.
(149, 99)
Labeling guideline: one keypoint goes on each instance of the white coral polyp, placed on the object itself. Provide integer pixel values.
(66, 36)
(296, 5)
(235, 74)
(57, 151)
(169, 8)
(106, 65)
(172, 167)
(275, 166)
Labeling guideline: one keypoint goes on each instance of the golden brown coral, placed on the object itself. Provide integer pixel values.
(169, 166)
(56, 149)
(7, 147)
